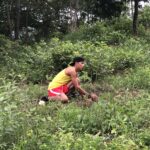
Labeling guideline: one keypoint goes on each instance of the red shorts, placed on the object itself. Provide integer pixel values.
(58, 91)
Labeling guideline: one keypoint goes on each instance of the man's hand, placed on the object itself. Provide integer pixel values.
(94, 97)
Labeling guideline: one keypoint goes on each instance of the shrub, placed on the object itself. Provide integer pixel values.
(144, 17)
(122, 24)
(94, 32)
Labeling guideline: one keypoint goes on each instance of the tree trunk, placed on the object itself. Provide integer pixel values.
(135, 17)
(17, 19)
(74, 4)
(76, 13)
(132, 9)
(8, 10)
(27, 34)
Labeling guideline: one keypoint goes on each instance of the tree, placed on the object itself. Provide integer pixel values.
(74, 8)
(8, 12)
(17, 18)
(101, 9)
(135, 15)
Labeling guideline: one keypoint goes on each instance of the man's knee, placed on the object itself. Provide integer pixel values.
(64, 98)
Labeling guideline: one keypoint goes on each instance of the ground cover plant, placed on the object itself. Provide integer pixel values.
(120, 120)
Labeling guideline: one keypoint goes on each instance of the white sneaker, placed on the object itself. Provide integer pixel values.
(42, 103)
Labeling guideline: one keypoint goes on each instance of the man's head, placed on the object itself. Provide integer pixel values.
(78, 62)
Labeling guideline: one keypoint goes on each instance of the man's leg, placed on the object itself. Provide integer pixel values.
(62, 97)
(70, 84)
(72, 91)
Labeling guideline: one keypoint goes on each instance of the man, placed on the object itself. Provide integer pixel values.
(65, 80)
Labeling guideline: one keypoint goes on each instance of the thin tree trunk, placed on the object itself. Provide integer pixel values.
(27, 35)
(17, 20)
(8, 7)
(73, 13)
(135, 17)
(76, 12)
(71, 28)
(132, 11)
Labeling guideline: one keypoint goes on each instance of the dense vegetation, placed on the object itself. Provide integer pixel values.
(31, 20)
(117, 69)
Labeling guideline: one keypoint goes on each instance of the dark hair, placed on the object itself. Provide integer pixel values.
(77, 59)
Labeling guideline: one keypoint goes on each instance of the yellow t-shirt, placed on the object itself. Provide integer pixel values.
(60, 79)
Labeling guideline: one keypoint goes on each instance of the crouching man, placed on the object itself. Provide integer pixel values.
(67, 79)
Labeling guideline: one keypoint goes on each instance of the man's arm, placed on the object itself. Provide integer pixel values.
(76, 84)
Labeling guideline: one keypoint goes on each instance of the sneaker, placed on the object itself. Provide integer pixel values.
(44, 98)
(41, 102)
